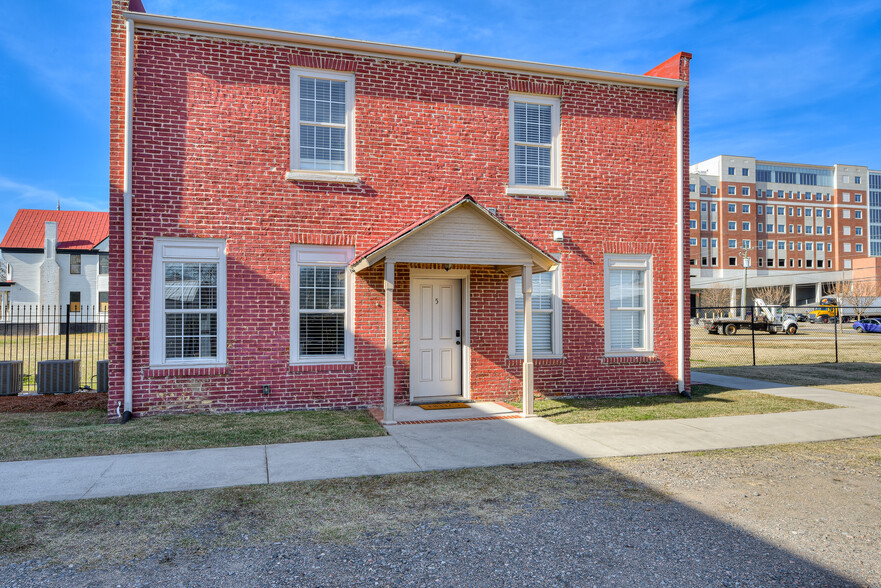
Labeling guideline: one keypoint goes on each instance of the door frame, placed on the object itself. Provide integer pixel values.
(454, 274)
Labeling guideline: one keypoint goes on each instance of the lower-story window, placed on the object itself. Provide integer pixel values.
(188, 302)
(628, 307)
(547, 339)
(321, 307)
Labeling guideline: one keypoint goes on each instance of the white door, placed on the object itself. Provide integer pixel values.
(435, 337)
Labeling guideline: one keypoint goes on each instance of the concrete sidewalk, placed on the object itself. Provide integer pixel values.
(437, 446)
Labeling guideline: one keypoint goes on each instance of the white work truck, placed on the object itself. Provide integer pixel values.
(765, 318)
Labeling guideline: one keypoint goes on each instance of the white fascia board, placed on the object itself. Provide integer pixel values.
(243, 32)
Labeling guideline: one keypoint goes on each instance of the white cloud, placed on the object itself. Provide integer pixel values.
(18, 195)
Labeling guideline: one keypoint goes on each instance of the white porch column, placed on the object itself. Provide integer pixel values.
(388, 396)
(792, 288)
(527, 342)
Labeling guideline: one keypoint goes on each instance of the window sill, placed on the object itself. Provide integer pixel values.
(334, 177)
(536, 191)
(161, 371)
(631, 358)
(341, 366)
(535, 357)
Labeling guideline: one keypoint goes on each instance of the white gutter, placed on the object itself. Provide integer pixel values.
(680, 254)
(187, 25)
(127, 215)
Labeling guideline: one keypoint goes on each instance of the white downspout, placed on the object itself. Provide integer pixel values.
(680, 262)
(127, 215)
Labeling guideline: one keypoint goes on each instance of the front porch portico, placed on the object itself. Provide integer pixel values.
(461, 234)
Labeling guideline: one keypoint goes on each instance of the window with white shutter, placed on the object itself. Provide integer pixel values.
(322, 121)
(188, 302)
(534, 142)
(628, 308)
(321, 305)
(547, 339)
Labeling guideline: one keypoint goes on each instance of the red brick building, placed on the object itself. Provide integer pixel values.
(301, 221)
(801, 226)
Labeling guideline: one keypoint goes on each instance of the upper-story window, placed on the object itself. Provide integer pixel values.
(323, 130)
(534, 141)
(76, 263)
(745, 171)
(103, 263)
(730, 171)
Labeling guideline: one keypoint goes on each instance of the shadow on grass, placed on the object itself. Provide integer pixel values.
(699, 393)
(811, 374)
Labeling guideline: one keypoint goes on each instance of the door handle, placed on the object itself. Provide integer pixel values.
(458, 342)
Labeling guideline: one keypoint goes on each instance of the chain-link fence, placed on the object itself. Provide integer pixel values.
(753, 335)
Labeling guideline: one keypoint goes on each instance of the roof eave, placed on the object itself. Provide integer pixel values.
(187, 25)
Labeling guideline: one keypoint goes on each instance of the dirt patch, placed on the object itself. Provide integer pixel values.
(54, 402)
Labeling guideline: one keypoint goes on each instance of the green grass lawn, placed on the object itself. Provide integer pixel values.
(706, 401)
(854, 377)
(72, 434)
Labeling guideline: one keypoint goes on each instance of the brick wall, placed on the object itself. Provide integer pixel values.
(211, 147)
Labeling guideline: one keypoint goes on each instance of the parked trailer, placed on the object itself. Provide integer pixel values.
(765, 319)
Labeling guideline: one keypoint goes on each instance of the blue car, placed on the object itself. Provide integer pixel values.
(868, 326)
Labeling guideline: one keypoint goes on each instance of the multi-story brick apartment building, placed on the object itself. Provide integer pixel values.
(304, 221)
(801, 226)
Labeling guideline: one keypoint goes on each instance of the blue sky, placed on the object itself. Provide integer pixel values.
(788, 81)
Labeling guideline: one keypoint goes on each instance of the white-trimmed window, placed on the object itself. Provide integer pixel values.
(628, 308)
(322, 123)
(547, 315)
(534, 137)
(188, 303)
(321, 305)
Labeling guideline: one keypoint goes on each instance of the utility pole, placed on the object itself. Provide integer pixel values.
(746, 263)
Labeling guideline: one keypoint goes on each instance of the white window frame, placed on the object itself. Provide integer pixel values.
(321, 255)
(556, 320)
(555, 188)
(346, 175)
(185, 251)
(613, 262)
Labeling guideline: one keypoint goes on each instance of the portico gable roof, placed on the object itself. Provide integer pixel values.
(463, 232)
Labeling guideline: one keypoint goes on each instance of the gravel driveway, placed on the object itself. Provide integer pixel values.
(799, 515)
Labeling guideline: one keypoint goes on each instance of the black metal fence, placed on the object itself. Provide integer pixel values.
(739, 336)
(52, 349)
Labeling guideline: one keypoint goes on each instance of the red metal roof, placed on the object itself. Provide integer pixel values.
(76, 229)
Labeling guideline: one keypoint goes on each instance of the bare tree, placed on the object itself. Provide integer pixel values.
(714, 299)
(861, 295)
(839, 290)
(772, 295)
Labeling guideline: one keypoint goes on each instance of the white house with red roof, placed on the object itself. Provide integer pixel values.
(54, 258)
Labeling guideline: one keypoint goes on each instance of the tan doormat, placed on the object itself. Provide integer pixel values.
(442, 405)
